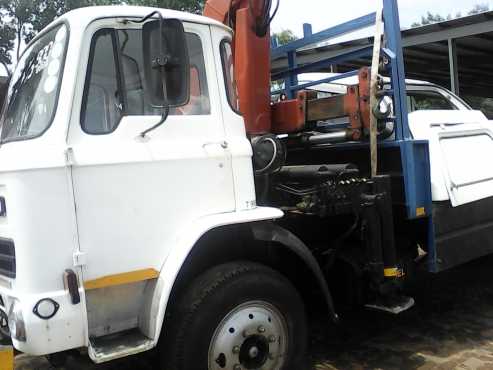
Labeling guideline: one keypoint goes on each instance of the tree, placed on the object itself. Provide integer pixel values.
(20, 14)
(429, 19)
(479, 8)
(25, 18)
(7, 37)
(284, 37)
(435, 18)
(190, 6)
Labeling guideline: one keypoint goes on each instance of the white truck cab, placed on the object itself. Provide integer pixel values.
(82, 191)
(136, 209)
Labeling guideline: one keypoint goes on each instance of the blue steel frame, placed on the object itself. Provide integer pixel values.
(414, 153)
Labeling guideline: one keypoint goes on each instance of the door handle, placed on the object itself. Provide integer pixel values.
(223, 144)
(69, 156)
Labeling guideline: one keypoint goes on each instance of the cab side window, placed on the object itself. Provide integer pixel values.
(428, 100)
(199, 103)
(115, 84)
(102, 106)
(229, 74)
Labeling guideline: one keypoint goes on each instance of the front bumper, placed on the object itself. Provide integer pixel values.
(6, 357)
(66, 330)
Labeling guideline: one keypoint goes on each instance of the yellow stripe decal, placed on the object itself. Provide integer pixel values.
(392, 272)
(121, 279)
(420, 211)
(6, 358)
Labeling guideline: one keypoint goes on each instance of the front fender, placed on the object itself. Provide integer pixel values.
(270, 232)
(182, 248)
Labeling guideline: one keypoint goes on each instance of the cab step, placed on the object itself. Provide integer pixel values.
(114, 346)
(394, 305)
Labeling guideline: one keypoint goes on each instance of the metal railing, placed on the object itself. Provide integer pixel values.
(414, 154)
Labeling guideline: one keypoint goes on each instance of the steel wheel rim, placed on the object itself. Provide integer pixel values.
(253, 335)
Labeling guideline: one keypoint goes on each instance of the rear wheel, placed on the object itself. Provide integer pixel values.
(237, 316)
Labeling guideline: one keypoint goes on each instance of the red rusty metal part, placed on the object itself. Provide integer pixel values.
(251, 59)
(364, 96)
(357, 104)
(289, 116)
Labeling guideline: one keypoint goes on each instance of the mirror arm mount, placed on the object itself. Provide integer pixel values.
(147, 17)
(161, 63)
(165, 113)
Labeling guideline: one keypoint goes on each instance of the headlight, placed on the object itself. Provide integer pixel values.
(16, 322)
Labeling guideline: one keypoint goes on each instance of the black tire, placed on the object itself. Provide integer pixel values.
(188, 331)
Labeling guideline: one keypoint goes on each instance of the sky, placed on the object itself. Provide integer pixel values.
(323, 14)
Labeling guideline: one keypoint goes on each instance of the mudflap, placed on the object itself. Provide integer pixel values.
(462, 233)
(6, 357)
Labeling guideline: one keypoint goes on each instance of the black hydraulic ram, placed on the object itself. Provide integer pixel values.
(384, 206)
(372, 232)
(376, 209)
(317, 172)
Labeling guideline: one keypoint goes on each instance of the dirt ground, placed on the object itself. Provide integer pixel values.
(451, 327)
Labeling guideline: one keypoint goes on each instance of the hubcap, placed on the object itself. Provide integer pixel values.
(251, 336)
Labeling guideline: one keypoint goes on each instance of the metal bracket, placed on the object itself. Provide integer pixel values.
(69, 156)
(80, 259)
(389, 53)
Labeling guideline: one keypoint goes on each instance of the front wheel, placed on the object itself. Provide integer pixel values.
(237, 316)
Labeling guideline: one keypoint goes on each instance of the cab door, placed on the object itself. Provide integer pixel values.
(190, 150)
(136, 195)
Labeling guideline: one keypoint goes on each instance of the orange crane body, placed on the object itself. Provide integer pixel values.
(251, 51)
(251, 59)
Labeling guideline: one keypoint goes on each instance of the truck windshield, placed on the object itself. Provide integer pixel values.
(33, 90)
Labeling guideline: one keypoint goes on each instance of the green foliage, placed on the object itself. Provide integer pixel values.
(190, 6)
(19, 13)
(7, 34)
(21, 20)
(284, 37)
(431, 18)
(479, 8)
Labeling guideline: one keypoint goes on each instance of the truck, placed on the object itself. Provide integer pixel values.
(153, 195)
(420, 95)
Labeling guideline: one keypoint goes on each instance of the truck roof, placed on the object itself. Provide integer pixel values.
(88, 14)
(83, 16)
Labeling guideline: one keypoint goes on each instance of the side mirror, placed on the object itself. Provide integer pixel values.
(166, 63)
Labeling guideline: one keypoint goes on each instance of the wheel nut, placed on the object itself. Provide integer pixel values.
(261, 329)
(272, 339)
(236, 349)
(237, 367)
